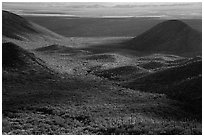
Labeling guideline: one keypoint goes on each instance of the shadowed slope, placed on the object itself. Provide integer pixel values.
(16, 59)
(168, 76)
(183, 82)
(188, 91)
(16, 27)
(170, 36)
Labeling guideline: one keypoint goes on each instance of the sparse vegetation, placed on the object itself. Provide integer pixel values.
(97, 90)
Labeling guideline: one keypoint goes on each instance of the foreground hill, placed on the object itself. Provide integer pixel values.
(172, 36)
(182, 82)
(16, 27)
(82, 104)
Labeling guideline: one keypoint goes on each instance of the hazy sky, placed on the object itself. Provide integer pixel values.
(164, 10)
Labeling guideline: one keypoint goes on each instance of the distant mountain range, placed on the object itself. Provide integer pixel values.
(106, 26)
(172, 36)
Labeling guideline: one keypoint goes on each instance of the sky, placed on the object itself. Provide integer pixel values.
(108, 9)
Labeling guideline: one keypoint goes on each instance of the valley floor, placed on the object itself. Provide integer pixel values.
(86, 95)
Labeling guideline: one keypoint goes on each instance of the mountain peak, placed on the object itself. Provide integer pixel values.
(176, 22)
(172, 36)
(173, 24)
